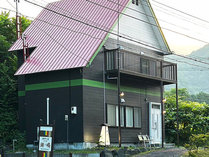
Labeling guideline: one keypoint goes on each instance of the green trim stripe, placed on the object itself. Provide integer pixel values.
(49, 85)
(110, 86)
(21, 93)
(84, 82)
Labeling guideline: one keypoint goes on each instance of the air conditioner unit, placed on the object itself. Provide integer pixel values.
(73, 110)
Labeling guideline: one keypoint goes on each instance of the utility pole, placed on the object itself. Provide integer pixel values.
(19, 32)
(18, 21)
(118, 80)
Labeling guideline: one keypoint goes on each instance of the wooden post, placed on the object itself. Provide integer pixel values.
(177, 108)
(162, 106)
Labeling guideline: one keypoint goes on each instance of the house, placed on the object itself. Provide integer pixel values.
(72, 61)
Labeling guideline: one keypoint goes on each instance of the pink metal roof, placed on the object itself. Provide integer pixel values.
(64, 43)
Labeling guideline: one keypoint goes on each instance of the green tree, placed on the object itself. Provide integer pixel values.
(200, 97)
(8, 82)
(193, 116)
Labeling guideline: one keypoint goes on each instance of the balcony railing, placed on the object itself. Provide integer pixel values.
(141, 65)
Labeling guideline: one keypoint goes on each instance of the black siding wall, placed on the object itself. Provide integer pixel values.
(61, 100)
(93, 103)
(21, 99)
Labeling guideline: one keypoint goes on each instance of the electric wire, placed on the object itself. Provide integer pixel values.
(168, 12)
(148, 15)
(11, 4)
(59, 26)
(91, 36)
(126, 14)
(197, 60)
(188, 36)
(188, 58)
(158, 19)
(181, 11)
(101, 29)
(60, 43)
(179, 17)
(51, 36)
(112, 42)
(187, 63)
(96, 24)
(155, 25)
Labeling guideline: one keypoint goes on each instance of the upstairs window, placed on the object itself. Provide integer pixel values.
(144, 66)
(135, 2)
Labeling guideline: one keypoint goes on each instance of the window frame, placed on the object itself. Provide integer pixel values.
(124, 118)
(145, 68)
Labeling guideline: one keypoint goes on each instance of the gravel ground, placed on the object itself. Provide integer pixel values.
(173, 152)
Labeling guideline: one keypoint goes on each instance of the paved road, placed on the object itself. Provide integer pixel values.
(174, 152)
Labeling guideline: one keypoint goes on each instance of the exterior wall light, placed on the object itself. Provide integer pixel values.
(164, 112)
(164, 100)
(122, 94)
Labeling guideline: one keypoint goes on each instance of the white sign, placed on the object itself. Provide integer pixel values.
(45, 144)
(66, 117)
(46, 128)
(104, 139)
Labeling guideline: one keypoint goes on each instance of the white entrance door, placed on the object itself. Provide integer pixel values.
(155, 123)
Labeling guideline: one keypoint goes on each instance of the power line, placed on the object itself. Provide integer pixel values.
(187, 63)
(70, 29)
(157, 26)
(101, 29)
(76, 15)
(181, 11)
(190, 58)
(110, 32)
(203, 58)
(169, 13)
(140, 43)
(147, 14)
(51, 36)
(180, 17)
(10, 4)
(188, 36)
(60, 43)
(153, 17)
(7, 9)
(55, 24)
(102, 25)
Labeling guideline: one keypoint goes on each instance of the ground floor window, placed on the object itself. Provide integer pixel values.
(130, 116)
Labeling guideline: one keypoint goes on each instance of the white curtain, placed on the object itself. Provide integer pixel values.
(129, 117)
(111, 115)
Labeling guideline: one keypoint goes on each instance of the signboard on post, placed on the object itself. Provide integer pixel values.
(46, 138)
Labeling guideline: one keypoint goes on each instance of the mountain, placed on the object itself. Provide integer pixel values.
(191, 74)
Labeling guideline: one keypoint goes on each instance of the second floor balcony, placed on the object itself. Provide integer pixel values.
(141, 66)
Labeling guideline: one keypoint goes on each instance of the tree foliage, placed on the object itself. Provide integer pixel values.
(200, 97)
(193, 116)
(8, 82)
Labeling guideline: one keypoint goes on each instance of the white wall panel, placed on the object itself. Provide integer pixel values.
(139, 30)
